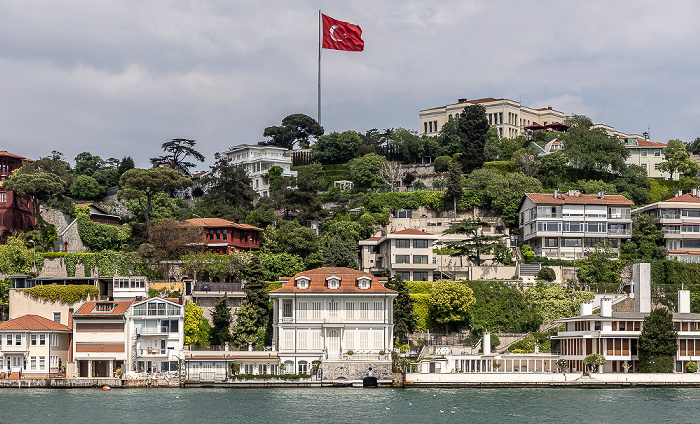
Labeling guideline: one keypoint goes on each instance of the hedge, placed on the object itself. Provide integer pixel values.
(421, 309)
(67, 294)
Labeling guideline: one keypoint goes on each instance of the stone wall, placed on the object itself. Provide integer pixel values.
(66, 229)
(356, 370)
(55, 267)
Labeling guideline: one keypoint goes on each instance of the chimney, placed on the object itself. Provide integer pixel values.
(586, 309)
(679, 193)
(683, 301)
(179, 299)
(641, 281)
(461, 100)
(601, 195)
(695, 192)
(606, 308)
(556, 193)
(486, 343)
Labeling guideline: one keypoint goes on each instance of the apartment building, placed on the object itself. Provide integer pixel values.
(679, 220)
(16, 212)
(646, 154)
(223, 237)
(563, 226)
(257, 161)
(408, 253)
(509, 116)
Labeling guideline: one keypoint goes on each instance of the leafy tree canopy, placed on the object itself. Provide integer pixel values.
(658, 342)
(295, 129)
(336, 147)
(365, 170)
(592, 150)
(677, 159)
(450, 302)
(473, 128)
(177, 151)
(229, 188)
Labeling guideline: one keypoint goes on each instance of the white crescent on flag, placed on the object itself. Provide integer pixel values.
(333, 28)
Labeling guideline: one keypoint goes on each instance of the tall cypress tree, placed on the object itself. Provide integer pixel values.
(256, 291)
(658, 342)
(473, 127)
(221, 317)
(405, 320)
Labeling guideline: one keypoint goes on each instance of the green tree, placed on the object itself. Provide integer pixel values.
(177, 151)
(16, 257)
(364, 171)
(593, 361)
(295, 129)
(554, 301)
(144, 184)
(97, 236)
(658, 342)
(694, 146)
(647, 242)
(599, 270)
(547, 274)
(272, 176)
(278, 265)
(87, 164)
(43, 179)
(442, 163)
(125, 164)
(229, 190)
(290, 237)
(677, 159)
(336, 147)
(449, 138)
(475, 244)
(196, 328)
(221, 320)
(592, 150)
(302, 195)
(256, 290)
(85, 187)
(340, 252)
(473, 127)
(502, 308)
(246, 329)
(449, 303)
(405, 319)
(492, 147)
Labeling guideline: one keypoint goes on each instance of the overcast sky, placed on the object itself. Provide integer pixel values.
(118, 78)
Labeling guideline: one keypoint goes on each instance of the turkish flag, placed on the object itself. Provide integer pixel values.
(339, 35)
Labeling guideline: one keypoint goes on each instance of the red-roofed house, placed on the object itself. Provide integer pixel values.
(15, 212)
(222, 236)
(339, 319)
(646, 154)
(679, 220)
(33, 346)
(408, 253)
(562, 226)
(100, 335)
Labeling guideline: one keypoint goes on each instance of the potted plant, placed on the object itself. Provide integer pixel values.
(350, 352)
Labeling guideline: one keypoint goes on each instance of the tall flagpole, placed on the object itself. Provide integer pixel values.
(320, 41)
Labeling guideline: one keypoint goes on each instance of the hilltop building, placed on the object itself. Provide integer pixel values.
(257, 161)
(510, 117)
(222, 236)
(561, 226)
(16, 213)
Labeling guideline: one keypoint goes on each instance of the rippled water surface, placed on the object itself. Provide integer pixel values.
(346, 405)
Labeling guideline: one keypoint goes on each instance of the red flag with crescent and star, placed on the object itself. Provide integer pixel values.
(339, 35)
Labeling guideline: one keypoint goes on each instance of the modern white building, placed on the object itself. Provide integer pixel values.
(337, 320)
(509, 116)
(408, 253)
(562, 226)
(679, 220)
(257, 161)
(156, 333)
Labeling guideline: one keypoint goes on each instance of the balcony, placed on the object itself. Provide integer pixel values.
(218, 290)
(626, 216)
(620, 232)
(152, 351)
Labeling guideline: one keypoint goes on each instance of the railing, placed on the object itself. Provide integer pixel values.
(144, 352)
(219, 348)
(219, 287)
(624, 232)
(620, 216)
(667, 230)
(670, 216)
(360, 357)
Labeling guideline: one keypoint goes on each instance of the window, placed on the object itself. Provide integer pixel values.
(643, 153)
(420, 276)
(420, 244)
(32, 363)
(333, 307)
(32, 339)
(656, 166)
(551, 242)
(657, 153)
(248, 368)
(42, 339)
(420, 259)
(403, 259)
(302, 283)
(350, 339)
(333, 283)
(288, 340)
(53, 339)
(364, 344)
(402, 213)
(286, 309)
(405, 275)
(378, 339)
(548, 226)
(18, 339)
(316, 339)
(403, 243)
(374, 249)
(378, 311)
(364, 310)
(301, 310)
(567, 242)
(301, 339)
(9, 340)
(303, 367)
(57, 317)
(596, 227)
(363, 283)
(644, 165)
(169, 326)
(104, 307)
(262, 369)
(316, 310)
(573, 226)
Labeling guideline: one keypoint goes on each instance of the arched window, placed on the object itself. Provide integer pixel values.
(303, 367)
(288, 367)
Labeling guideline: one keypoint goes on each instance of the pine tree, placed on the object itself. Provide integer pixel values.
(405, 319)
(473, 127)
(221, 317)
(658, 342)
(475, 244)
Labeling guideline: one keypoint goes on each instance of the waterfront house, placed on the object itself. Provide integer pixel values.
(100, 338)
(216, 365)
(33, 346)
(337, 320)
(156, 334)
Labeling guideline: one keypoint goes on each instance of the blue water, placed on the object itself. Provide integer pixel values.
(348, 405)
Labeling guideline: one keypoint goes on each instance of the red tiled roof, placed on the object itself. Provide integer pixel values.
(5, 153)
(689, 252)
(411, 231)
(348, 282)
(88, 308)
(646, 143)
(684, 198)
(583, 199)
(218, 222)
(372, 239)
(32, 323)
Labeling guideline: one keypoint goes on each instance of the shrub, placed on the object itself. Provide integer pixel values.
(546, 274)
(691, 367)
(441, 163)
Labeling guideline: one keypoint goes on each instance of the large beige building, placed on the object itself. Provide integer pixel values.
(509, 116)
(408, 253)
